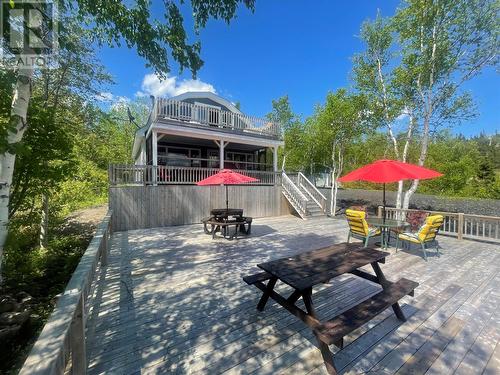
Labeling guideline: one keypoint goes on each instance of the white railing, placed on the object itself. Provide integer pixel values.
(478, 227)
(312, 191)
(63, 338)
(199, 114)
(294, 195)
(165, 175)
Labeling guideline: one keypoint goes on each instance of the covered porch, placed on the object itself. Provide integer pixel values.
(174, 145)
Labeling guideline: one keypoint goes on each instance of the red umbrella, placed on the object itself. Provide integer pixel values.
(386, 171)
(226, 177)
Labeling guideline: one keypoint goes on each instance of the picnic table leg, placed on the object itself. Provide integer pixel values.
(294, 296)
(323, 347)
(265, 296)
(383, 281)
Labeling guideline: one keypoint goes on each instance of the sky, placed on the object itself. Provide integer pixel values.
(283, 48)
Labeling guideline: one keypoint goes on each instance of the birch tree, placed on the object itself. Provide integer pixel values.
(414, 67)
(338, 123)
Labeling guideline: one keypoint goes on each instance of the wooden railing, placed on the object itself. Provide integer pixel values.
(297, 199)
(63, 338)
(312, 191)
(477, 227)
(165, 175)
(200, 114)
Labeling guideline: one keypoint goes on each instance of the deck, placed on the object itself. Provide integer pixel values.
(172, 300)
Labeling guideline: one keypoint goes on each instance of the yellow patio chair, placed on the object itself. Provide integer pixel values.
(358, 227)
(425, 235)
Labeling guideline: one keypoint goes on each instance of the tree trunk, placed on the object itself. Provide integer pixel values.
(44, 225)
(19, 110)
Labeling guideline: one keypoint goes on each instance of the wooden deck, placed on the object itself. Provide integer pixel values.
(173, 300)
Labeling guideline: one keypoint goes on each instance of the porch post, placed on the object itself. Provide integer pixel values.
(154, 142)
(275, 159)
(222, 145)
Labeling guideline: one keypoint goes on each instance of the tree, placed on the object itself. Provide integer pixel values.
(111, 23)
(292, 129)
(337, 124)
(415, 65)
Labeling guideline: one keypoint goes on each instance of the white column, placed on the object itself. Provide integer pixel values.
(221, 145)
(154, 143)
(275, 159)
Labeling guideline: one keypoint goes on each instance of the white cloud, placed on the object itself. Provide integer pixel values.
(104, 97)
(171, 86)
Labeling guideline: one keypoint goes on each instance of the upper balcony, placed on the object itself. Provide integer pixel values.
(207, 116)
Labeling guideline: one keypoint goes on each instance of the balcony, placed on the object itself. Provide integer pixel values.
(199, 115)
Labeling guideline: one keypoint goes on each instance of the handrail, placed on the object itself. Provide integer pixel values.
(298, 199)
(315, 194)
(174, 175)
(211, 116)
(64, 332)
(476, 227)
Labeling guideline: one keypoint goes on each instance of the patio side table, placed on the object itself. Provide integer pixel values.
(386, 226)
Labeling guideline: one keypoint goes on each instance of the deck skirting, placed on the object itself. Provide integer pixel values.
(141, 207)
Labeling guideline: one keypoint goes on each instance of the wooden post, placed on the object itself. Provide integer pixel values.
(154, 136)
(460, 231)
(77, 340)
(275, 159)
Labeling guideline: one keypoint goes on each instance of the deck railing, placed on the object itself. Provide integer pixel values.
(63, 338)
(477, 227)
(199, 114)
(171, 175)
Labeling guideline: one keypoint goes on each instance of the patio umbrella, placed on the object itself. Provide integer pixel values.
(226, 177)
(387, 171)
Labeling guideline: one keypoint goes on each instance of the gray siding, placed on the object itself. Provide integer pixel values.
(139, 207)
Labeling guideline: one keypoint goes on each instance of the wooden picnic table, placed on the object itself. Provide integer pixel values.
(304, 271)
(224, 213)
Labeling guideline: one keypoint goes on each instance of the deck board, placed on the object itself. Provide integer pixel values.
(172, 300)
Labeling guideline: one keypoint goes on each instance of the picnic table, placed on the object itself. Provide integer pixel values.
(224, 213)
(304, 271)
(219, 221)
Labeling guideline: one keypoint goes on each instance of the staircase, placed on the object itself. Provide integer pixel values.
(304, 197)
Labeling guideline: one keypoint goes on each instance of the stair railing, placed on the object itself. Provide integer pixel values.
(312, 191)
(294, 195)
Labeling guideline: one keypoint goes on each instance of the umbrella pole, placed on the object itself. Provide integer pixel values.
(383, 211)
(227, 201)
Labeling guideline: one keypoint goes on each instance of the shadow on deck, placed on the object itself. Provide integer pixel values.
(172, 300)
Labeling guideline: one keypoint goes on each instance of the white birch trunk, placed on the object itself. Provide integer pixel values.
(19, 110)
(44, 225)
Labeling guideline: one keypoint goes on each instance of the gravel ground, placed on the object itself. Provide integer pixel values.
(373, 198)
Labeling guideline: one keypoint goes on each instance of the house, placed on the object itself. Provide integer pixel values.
(198, 132)
(190, 137)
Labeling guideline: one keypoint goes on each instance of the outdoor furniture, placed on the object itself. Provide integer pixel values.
(385, 226)
(358, 226)
(426, 235)
(224, 213)
(304, 271)
(222, 225)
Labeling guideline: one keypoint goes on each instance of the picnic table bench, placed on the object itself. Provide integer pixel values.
(222, 226)
(303, 271)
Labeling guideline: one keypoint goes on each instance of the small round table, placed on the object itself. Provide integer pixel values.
(385, 227)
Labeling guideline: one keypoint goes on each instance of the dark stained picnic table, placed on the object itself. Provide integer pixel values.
(304, 271)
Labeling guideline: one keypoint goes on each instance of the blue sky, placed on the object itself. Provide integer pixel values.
(285, 47)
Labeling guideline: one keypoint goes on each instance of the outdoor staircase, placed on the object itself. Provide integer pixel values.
(304, 197)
